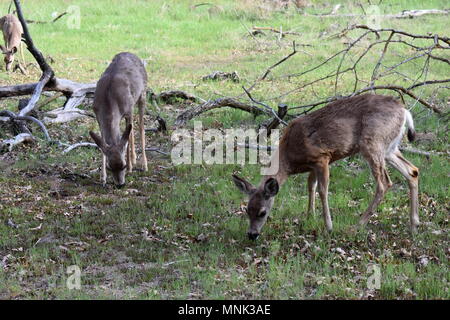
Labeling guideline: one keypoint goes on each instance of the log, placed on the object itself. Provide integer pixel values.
(19, 139)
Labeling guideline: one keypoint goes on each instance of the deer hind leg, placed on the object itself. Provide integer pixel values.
(411, 173)
(381, 176)
(322, 173)
(142, 131)
(312, 185)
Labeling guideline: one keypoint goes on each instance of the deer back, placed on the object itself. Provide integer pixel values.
(118, 90)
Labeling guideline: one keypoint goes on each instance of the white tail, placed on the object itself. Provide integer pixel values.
(410, 125)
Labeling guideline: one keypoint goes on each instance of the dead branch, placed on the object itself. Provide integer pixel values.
(415, 36)
(269, 109)
(168, 96)
(416, 151)
(38, 122)
(77, 145)
(62, 115)
(409, 14)
(184, 117)
(47, 101)
(20, 138)
(352, 50)
(220, 75)
(17, 118)
(47, 71)
(59, 16)
(73, 90)
(406, 14)
(268, 70)
(281, 32)
(275, 121)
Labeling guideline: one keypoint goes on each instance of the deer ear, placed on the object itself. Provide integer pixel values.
(243, 185)
(271, 188)
(126, 135)
(98, 140)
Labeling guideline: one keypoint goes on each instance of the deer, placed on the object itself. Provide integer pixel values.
(122, 85)
(12, 34)
(370, 125)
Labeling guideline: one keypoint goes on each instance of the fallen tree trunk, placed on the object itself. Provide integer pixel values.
(74, 91)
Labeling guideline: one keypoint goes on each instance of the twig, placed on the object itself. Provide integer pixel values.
(282, 33)
(81, 144)
(268, 70)
(265, 106)
(416, 151)
(157, 150)
(187, 115)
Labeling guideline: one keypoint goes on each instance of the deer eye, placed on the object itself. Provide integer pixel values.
(262, 213)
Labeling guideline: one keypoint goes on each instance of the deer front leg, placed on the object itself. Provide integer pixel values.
(322, 173)
(312, 185)
(142, 131)
(103, 169)
(132, 145)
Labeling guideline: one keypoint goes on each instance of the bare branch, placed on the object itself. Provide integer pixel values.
(77, 145)
(184, 117)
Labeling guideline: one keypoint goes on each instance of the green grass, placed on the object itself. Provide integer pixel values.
(178, 232)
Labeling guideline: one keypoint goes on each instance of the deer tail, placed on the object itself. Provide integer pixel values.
(410, 125)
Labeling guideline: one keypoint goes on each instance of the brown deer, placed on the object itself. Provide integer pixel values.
(121, 86)
(372, 125)
(12, 34)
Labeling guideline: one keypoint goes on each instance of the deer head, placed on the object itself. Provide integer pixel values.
(115, 155)
(259, 204)
(9, 56)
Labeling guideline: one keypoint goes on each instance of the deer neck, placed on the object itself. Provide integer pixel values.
(111, 131)
(281, 174)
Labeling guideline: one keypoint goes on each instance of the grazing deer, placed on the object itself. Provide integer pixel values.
(12, 34)
(372, 125)
(121, 86)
